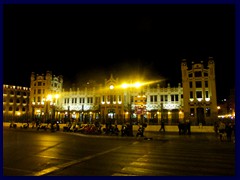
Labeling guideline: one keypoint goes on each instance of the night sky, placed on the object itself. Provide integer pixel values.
(83, 42)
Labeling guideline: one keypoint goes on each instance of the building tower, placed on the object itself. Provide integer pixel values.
(199, 92)
(45, 91)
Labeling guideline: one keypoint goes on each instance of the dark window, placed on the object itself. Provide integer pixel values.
(39, 83)
(198, 74)
(151, 98)
(206, 94)
(199, 94)
(172, 97)
(190, 75)
(176, 97)
(206, 83)
(191, 94)
(198, 84)
(205, 74)
(166, 98)
(190, 84)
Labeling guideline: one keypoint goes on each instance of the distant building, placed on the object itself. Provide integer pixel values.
(15, 103)
(133, 102)
(199, 92)
(44, 95)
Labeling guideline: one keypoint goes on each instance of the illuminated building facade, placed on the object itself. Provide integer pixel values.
(122, 102)
(128, 101)
(44, 95)
(15, 103)
(199, 92)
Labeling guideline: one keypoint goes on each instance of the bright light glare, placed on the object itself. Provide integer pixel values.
(125, 85)
(137, 84)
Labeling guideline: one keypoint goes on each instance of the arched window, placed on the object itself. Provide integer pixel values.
(18, 101)
(11, 100)
(23, 109)
(10, 108)
(11, 92)
(17, 108)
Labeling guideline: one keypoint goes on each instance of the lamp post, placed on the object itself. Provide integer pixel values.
(51, 100)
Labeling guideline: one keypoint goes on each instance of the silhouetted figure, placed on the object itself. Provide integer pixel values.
(188, 127)
(162, 126)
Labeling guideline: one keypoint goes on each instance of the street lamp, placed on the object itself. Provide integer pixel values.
(51, 100)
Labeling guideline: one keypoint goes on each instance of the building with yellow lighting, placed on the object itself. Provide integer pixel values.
(118, 101)
(16, 103)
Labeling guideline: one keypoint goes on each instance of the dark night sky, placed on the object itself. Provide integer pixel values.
(84, 42)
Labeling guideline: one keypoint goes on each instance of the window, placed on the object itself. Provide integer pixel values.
(190, 75)
(39, 91)
(18, 101)
(10, 108)
(39, 99)
(198, 74)
(206, 83)
(39, 83)
(166, 98)
(191, 94)
(176, 97)
(198, 84)
(155, 98)
(34, 92)
(205, 74)
(151, 98)
(190, 84)
(172, 97)
(161, 97)
(23, 109)
(199, 94)
(206, 94)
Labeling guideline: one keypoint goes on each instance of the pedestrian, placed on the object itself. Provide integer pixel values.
(162, 126)
(188, 127)
(229, 130)
(221, 130)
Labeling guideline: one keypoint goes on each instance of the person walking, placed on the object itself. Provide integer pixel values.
(221, 130)
(162, 126)
(188, 127)
(229, 130)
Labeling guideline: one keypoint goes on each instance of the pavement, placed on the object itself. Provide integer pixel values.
(150, 135)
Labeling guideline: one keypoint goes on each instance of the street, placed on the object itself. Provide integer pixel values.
(27, 152)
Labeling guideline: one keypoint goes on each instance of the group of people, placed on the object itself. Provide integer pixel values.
(225, 130)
